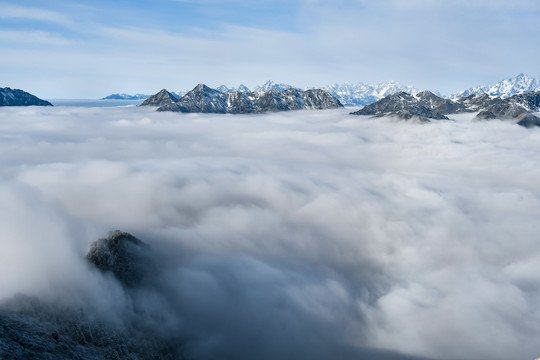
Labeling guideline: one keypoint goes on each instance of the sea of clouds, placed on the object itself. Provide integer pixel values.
(307, 234)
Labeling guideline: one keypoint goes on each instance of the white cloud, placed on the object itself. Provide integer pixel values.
(299, 233)
(33, 37)
(8, 11)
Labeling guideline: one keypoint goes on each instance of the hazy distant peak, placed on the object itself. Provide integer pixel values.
(270, 85)
(519, 84)
(124, 96)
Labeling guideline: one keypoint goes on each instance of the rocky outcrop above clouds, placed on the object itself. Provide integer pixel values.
(203, 99)
(16, 97)
(162, 98)
(425, 105)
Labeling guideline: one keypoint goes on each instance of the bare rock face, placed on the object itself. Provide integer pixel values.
(122, 254)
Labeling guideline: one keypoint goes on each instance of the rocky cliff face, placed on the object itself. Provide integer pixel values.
(203, 99)
(15, 97)
(530, 101)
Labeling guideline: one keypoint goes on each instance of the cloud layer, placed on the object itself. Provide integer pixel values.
(292, 235)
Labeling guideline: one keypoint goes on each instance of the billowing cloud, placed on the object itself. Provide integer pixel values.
(309, 234)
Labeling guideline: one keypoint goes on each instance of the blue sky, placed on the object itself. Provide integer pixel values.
(73, 49)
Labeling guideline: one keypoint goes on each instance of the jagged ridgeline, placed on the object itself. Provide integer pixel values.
(203, 99)
(426, 105)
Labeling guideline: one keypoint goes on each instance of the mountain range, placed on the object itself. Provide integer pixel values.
(362, 94)
(126, 97)
(349, 95)
(16, 97)
(425, 105)
(203, 99)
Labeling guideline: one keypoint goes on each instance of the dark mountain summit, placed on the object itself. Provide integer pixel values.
(160, 99)
(203, 99)
(122, 254)
(424, 105)
(16, 97)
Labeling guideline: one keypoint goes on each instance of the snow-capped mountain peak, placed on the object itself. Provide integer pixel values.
(519, 84)
(243, 88)
(270, 85)
(361, 94)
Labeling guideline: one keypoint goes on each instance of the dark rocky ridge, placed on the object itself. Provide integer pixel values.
(203, 99)
(16, 97)
(530, 101)
(426, 105)
(162, 98)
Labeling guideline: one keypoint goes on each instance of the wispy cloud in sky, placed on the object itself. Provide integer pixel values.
(33, 13)
(438, 45)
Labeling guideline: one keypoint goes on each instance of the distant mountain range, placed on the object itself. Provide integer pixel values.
(520, 84)
(16, 97)
(126, 97)
(362, 94)
(350, 95)
(135, 97)
(273, 96)
(203, 99)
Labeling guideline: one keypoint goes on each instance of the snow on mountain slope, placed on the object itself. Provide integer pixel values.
(520, 84)
(270, 85)
(361, 94)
